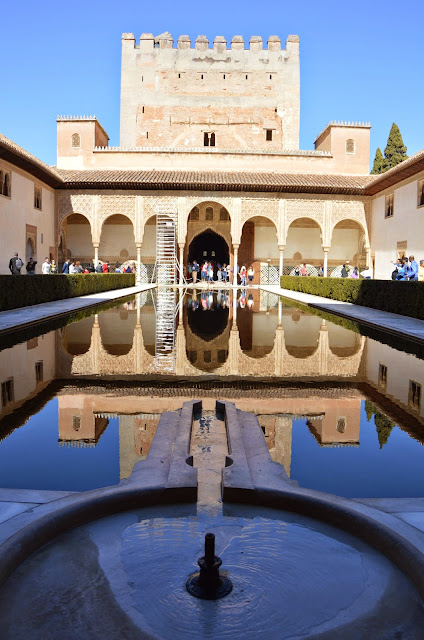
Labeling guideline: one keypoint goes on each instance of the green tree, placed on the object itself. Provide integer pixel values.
(384, 427)
(369, 409)
(378, 166)
(395, 151)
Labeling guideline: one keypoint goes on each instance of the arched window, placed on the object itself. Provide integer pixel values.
(209, 213)
(350, 146)
(76, 141)
(223, 214)
(6, 185)
(1, 183)
(194, 215)
(212, 140)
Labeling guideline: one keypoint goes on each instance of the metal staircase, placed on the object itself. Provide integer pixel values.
(165, 329)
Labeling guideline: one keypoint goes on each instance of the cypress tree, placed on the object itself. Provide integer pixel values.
(395, 151)
(378, 166)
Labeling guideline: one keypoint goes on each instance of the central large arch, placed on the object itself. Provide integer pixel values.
(209, 246)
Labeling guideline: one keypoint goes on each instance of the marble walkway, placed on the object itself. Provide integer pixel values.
(19, 318)
(410, 328)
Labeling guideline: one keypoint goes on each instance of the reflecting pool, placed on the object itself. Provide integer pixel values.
(340, 409)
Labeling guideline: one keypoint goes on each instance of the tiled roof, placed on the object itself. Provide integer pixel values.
(215, 181)
(13, 153)
(402, 171)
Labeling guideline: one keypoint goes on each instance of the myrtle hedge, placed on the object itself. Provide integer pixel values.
(404, 298)
(22, 291)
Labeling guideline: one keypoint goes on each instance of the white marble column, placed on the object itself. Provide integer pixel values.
(96, 254)
(326, 250)
(181, 248)
(281, 250)
(235, 247)
(138, 275)
(369, 259)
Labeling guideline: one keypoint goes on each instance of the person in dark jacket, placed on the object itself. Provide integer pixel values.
(344, 271)
(30, 267)
(65, 268)
(15, 265)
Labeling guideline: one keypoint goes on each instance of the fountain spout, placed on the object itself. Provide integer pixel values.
(208, 583)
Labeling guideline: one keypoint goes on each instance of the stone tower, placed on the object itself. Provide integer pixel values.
(228, 98)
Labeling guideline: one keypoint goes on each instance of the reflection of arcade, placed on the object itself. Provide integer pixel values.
(235, 342)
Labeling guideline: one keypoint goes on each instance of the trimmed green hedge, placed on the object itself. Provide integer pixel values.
(22, 291)
(404, 298)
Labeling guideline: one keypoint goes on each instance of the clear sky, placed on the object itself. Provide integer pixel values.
(359, 60)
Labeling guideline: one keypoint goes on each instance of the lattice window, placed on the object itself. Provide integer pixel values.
(209, 213)
(37, 197)
(7, 392)
(350, 146)
(389, 206)
(341, 424)
(76, 141)
(194, 215)
(421, 193)
(382, 376)
(414, 397)
(76, 423)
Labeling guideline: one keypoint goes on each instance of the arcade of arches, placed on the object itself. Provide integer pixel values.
(270, 233)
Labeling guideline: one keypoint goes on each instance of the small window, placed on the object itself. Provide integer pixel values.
(209, 139)
(389, 206)
(269, 135)
(194, 215)
(201, 76)
(414, 398)
(39, 372)
(76, 423)
(207, 356)
(421, 193)
(247, 77)
(270, 76)
(223, 214)
(7, 392)
(224, 76)
(142, 109)
(42, 238)
(222, 356)
(147, 135)
(341, 424)
(382, 376)
(350, 146)
(263, 430)
(179, 75)
(192, 356)
(76, 141)
(209, 213)
(37, 197)
(5, 184)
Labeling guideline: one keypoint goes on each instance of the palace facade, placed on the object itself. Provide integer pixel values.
(210, 137)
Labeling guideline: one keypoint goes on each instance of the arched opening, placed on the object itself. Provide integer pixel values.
(303, 245)
(209, 246)
(342, 342)
(259, 249)
(117, 242)
(208, 234)
(75, 239)
(347, 246)
(117, 330)
(207, 329)
(30, 249)
(77, 337)
(301, 333)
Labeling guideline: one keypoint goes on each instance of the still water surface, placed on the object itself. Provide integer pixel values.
(340, 411)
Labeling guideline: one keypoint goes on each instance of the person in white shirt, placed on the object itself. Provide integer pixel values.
(73, 268)
(46, 267)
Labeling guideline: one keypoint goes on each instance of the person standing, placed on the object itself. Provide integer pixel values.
(15, 265)
(303, 270)
(250, 274)
(99, 268)
(53, 268)
(421, 271)
(344, 271)
(65, 268)
(243, 276)
(195, 270)
(46, 267)
(412, 269)
(30, 268)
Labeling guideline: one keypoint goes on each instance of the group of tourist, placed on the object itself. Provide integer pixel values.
(49, 267)
(209, 272)
(408, 269)
(223, 300)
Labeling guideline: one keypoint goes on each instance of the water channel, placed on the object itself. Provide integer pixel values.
(340, 407)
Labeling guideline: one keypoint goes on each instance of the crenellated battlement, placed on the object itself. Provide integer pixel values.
(149, 42)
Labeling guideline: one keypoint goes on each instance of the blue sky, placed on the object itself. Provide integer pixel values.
(359, 61)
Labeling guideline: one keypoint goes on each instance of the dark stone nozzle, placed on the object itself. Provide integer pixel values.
(208, 583)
